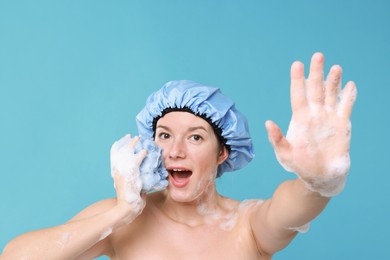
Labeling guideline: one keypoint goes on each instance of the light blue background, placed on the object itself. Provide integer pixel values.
(74, 74)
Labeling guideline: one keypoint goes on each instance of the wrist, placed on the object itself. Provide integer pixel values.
(326, 186)
(124, 213)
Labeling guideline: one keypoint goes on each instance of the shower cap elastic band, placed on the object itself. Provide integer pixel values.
(208, 103)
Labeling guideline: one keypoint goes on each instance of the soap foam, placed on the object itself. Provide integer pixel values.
(226, 216)
(332, 180)
(302, 229)
(223, 216)
(105, 234)
(229, 221)
(149, 176)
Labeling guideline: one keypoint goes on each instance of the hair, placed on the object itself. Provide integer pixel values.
(217, 129)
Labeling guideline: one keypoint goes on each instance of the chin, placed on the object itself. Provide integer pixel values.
(184, 196)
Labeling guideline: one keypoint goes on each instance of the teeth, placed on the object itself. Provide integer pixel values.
(178, 170)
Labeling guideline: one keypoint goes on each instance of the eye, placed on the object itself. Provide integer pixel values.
(196, 138)
(163, 136)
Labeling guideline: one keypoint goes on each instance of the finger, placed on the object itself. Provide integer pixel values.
(133, 142)
(297, 88)
(276, 138)
(347, 100)
(140, 156)
(119, 185)
(315, 87)
(118, 178)
(332, 89)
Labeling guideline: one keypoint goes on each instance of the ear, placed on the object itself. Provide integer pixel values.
(223, 154)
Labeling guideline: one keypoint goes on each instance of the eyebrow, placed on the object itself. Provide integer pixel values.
(197, 128)
(189, 129)
(164, 127)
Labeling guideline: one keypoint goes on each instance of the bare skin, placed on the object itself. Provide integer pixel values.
(190, 220)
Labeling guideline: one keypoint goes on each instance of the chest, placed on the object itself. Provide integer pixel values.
(169, 241)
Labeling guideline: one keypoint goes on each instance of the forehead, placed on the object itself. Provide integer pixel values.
(181, 118)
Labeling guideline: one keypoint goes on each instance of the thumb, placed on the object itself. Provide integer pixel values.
(276, 138)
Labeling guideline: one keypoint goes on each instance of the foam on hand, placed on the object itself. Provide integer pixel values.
(150, 175)
(332, 183)
(334, 172)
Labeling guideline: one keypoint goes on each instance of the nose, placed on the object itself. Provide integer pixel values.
(177, 149)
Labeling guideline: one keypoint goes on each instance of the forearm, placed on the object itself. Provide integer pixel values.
(66, 241)
(293, 205)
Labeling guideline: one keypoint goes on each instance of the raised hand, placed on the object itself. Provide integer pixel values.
(317, 143)
(125, 164)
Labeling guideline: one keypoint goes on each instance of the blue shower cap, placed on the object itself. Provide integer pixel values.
(208, 103)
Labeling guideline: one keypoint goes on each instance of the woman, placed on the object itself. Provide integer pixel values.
(202, 135)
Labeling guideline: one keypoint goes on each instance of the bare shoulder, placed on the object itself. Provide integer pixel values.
(246, 210)
(243, 208)
(241, 211)
(251, 205)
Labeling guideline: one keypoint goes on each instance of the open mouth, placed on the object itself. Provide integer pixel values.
(180, 177)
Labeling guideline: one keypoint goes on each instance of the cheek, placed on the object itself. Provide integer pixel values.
(207, 158)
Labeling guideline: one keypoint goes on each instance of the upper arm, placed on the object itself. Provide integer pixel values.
(103, 247)
(270, 238)
(291, 206)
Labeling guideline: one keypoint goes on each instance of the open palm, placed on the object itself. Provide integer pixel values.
(317, 143)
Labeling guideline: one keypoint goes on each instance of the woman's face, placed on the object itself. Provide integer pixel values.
(191, 154)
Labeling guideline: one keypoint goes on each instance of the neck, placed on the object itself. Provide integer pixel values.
(202, 210)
